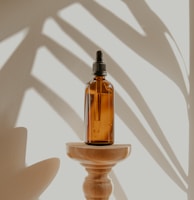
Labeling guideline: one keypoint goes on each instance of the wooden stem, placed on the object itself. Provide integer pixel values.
(97, 185)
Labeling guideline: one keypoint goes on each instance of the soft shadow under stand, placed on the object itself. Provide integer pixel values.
(98, 161)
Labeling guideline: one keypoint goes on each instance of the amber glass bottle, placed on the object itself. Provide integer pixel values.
(99, 106)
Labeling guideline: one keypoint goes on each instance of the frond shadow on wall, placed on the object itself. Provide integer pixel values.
(14, 81)
(153, 47)
(20, 78)
(128, 85)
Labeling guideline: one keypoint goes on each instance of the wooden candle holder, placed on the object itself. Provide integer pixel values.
(98, 161)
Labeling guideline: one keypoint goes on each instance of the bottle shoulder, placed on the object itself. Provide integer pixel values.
(102, 85)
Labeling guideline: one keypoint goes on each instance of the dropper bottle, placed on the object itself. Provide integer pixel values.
(99, 106)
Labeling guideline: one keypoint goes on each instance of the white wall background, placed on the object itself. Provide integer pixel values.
(46, 52)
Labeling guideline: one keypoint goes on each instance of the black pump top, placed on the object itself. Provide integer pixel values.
(99, 67)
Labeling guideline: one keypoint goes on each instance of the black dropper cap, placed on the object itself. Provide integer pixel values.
(99, 67)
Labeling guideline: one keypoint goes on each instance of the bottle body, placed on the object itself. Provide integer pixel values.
(99, 112)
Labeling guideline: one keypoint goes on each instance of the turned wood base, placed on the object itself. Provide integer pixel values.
(98, 161)
(97, 184)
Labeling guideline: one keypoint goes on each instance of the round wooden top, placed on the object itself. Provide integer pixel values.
(109, 154)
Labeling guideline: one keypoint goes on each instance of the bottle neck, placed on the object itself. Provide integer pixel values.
(99, 78)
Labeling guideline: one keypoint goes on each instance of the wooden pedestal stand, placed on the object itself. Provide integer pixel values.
(98, 161)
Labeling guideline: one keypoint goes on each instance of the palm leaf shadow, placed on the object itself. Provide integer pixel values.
(61, 107)
(153, 47)
(124, 112)
(107, 18)
(13, 76)
(129, 87)
(15, 15)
